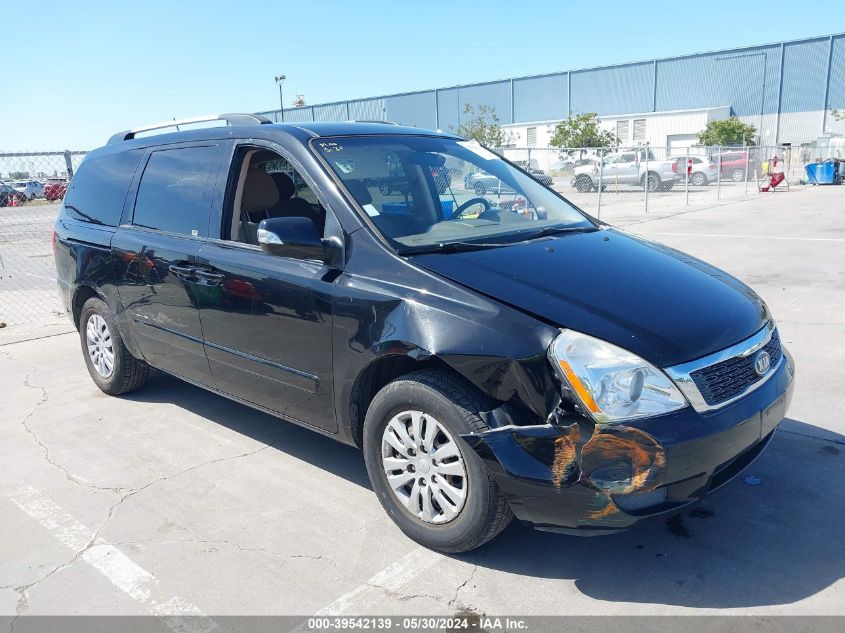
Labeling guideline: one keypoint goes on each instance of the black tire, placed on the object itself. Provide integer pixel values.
(480, 188)
(652, 180)
(128, 373)
(738, 175)
(698, 179)
(583, 184)
(455, 405)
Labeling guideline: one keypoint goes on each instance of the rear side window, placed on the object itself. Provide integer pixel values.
(98, 190)
(174, 194)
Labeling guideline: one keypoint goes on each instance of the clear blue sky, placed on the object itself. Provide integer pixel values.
(80, 70)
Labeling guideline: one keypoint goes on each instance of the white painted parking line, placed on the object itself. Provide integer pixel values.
(754, 237)
(119, 569)
(390, 579)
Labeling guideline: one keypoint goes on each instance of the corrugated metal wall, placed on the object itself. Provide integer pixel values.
(541, 98)
(806, 76)
(615, 90)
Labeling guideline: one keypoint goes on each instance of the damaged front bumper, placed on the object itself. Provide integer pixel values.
(571, 475)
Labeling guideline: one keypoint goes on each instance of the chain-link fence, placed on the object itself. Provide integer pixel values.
(625, 181)
(32, 186)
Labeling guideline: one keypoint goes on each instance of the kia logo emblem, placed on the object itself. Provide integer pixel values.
(762, 362)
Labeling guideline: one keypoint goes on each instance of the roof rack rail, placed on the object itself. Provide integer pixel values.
(232, 119)
(386, 122)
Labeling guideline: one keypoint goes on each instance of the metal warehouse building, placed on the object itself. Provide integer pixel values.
(786, 90)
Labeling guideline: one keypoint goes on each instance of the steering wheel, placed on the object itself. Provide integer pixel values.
(466, 205)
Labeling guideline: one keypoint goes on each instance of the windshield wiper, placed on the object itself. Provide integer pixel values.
(555, 230)
(449, 247)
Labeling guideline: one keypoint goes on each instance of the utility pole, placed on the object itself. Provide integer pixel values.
(279, 81)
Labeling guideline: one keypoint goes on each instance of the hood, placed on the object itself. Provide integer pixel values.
(659, 303)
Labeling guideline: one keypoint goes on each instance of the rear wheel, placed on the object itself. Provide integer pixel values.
(738, 175)
(480, 188)
(429, 481)
(110, 364)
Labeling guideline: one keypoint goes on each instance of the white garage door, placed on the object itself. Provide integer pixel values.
(681, 141)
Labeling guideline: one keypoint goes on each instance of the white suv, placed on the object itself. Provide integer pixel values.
(637, 167)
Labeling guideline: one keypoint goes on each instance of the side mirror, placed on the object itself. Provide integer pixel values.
(296, 237)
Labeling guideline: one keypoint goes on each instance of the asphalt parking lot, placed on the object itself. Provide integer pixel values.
(174, 501)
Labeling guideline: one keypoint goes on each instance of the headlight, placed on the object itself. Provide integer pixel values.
(612, 384)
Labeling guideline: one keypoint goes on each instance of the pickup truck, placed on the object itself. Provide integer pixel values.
(637, 168)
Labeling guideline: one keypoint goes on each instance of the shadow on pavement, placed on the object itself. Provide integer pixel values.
(321, 451)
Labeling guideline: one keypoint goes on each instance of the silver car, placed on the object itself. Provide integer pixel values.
(638, 168)
(32, 189)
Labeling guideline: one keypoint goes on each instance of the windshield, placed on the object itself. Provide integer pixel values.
(424, 193)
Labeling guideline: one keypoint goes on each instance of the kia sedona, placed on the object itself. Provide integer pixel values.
(493, 354)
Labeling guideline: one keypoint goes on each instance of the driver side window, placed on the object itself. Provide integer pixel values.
(265, 185)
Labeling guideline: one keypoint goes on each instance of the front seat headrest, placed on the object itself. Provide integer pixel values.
(284, 184)
(260, 191)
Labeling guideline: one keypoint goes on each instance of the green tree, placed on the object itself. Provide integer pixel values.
(582, 130)
(730, 131)
(483, 126)
(839, 115)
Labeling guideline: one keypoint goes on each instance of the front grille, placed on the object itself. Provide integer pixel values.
(723, 381)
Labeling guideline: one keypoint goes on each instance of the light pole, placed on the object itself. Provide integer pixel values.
(280, 80)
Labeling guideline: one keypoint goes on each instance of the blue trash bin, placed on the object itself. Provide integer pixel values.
(826, 173)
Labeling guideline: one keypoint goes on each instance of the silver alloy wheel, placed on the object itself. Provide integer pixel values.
(424, 467)
(100, 347)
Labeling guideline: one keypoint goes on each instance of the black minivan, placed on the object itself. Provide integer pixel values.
(493, 355)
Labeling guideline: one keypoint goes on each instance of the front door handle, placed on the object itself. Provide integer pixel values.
(209, 277)
(182, 272)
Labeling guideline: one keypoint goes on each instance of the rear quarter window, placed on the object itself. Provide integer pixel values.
(98, 190)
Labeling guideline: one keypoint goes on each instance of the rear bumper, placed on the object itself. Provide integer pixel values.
(598, 480)
(66, 297)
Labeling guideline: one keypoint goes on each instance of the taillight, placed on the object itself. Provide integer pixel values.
(53, 239)
(675, 167)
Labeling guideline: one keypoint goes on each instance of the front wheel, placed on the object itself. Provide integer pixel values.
(738, 175)
(480, 188)
(698, 179)
(112, 367)
(652, 181)
(583, 184)
(428, 480)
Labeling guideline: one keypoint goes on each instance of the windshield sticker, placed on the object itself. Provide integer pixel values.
(475, 148)
(371, 210)
(328, 146)
(347, 165)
